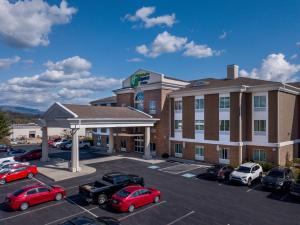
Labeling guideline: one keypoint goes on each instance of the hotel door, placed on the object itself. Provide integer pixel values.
(139, 144)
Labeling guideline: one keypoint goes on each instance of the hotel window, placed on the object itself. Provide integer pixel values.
(178, 105)
(224, 126)
(259, 126)
(199, 125)
(152, 147)
(199, 104)
(199, 153)
(224, 103)
(178, 150)
(152, 107)
(260, 103)
(178, 124)
(139, 101)
(107, 140)
(259, 155)
(224, 153)
(123, 144)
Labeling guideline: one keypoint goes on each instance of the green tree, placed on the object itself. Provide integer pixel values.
(4, 126)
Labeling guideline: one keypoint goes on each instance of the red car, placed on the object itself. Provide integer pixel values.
(16, 173)
(30, 155)
(131, 197)
(33, 195)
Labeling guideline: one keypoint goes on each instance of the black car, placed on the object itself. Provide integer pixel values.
(82, 220)
(295, 187)
(278, 178)
(217, 172)
(100, 192)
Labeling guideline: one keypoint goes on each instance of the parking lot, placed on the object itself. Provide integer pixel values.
(185, 200)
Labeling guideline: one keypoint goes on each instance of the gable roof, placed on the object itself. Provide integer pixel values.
(111, 99)
(106, 112)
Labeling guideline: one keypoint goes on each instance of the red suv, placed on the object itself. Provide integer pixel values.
(33, 195)
(30, 155)
(16, 173)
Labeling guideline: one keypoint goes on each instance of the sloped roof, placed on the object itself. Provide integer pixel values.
(106, 112)
(111, 99)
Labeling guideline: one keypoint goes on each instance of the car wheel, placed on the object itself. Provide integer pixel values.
(249, 182)
(102, 199)
(24, 206)
(131, 208)
(156, 199)
(30, 176)
(2, 181)
(58, 197)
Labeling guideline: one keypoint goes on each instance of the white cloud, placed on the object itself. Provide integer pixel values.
(25, 24)
(275, 67)
(143, 15)
(7, 62)
(223, 35)
(134, 60)
(294, 56)
(64, 80)
(167, 43)
(199, 51)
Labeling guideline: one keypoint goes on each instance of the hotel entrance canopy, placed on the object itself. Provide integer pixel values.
(86, 116)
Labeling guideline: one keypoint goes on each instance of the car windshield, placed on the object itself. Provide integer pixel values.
(275, 173)
(244, 169)
(18, 192)
(123, 193)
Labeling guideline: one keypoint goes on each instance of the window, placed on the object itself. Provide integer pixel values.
(178, 124)
(199, 125)
(224, 103)
(152, 147)
(224, 125)
(199, 153)
(31, 192)
(107, 140)
(123, 144)
(223, 153)
(199, 104)
(178, 105)
(178, 150)
(259, 155)
(139, 101)
(41, 190)
(259, 126)
(152, 107)
(260, 103)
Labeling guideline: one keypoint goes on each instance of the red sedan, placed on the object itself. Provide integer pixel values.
(19, 172)
(33, 195)
(29, 155)
(131, 197)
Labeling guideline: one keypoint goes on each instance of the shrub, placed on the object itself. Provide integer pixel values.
(289, 164)
(296, 160)
(266, 166)
(296, 173)
(165, 155)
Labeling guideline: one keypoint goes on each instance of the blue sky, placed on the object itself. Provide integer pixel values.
(184, 39)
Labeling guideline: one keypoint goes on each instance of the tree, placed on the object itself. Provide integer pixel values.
(4, 126)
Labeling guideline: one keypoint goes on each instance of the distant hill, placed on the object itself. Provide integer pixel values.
(19, 109)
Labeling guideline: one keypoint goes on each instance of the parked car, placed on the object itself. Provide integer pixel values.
(59, 142)
(63, 145)
(101, 191)
(246, 173)
(4, 148)
(6, 160)
(295, 187)
(10, 165)
(278, 178)
(17, 173)
(131, 197)
(15, 152)
(82, 144)
(33, 195)
(29, 155)
(82, 220)
(218, 171)
(51, 142)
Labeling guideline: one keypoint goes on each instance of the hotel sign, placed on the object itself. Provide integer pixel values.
(139, 79)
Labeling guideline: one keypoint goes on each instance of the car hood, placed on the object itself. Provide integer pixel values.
(240, 174)
(270, 179)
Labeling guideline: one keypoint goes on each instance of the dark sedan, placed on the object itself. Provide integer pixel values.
(278, 178)
(82, 220)
(217, 172)
(29, 155)
(295, 187)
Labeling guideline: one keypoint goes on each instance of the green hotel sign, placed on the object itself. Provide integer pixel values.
(139, 79)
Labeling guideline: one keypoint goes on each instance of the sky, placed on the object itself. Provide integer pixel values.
(78, 51)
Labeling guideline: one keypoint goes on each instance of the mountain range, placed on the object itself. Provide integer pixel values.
(19, 109)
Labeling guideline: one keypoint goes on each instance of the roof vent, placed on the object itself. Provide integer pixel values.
(199, 83)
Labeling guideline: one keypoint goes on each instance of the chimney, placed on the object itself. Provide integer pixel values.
(232, 71)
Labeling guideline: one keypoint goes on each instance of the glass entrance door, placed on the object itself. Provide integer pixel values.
(139, 144)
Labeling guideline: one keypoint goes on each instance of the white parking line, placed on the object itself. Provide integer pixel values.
(143, 210)
(253, 188)
(76, 214)
(14, 183)
(182, 217)
(41, 182)
(30, 211)
(86, 210)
